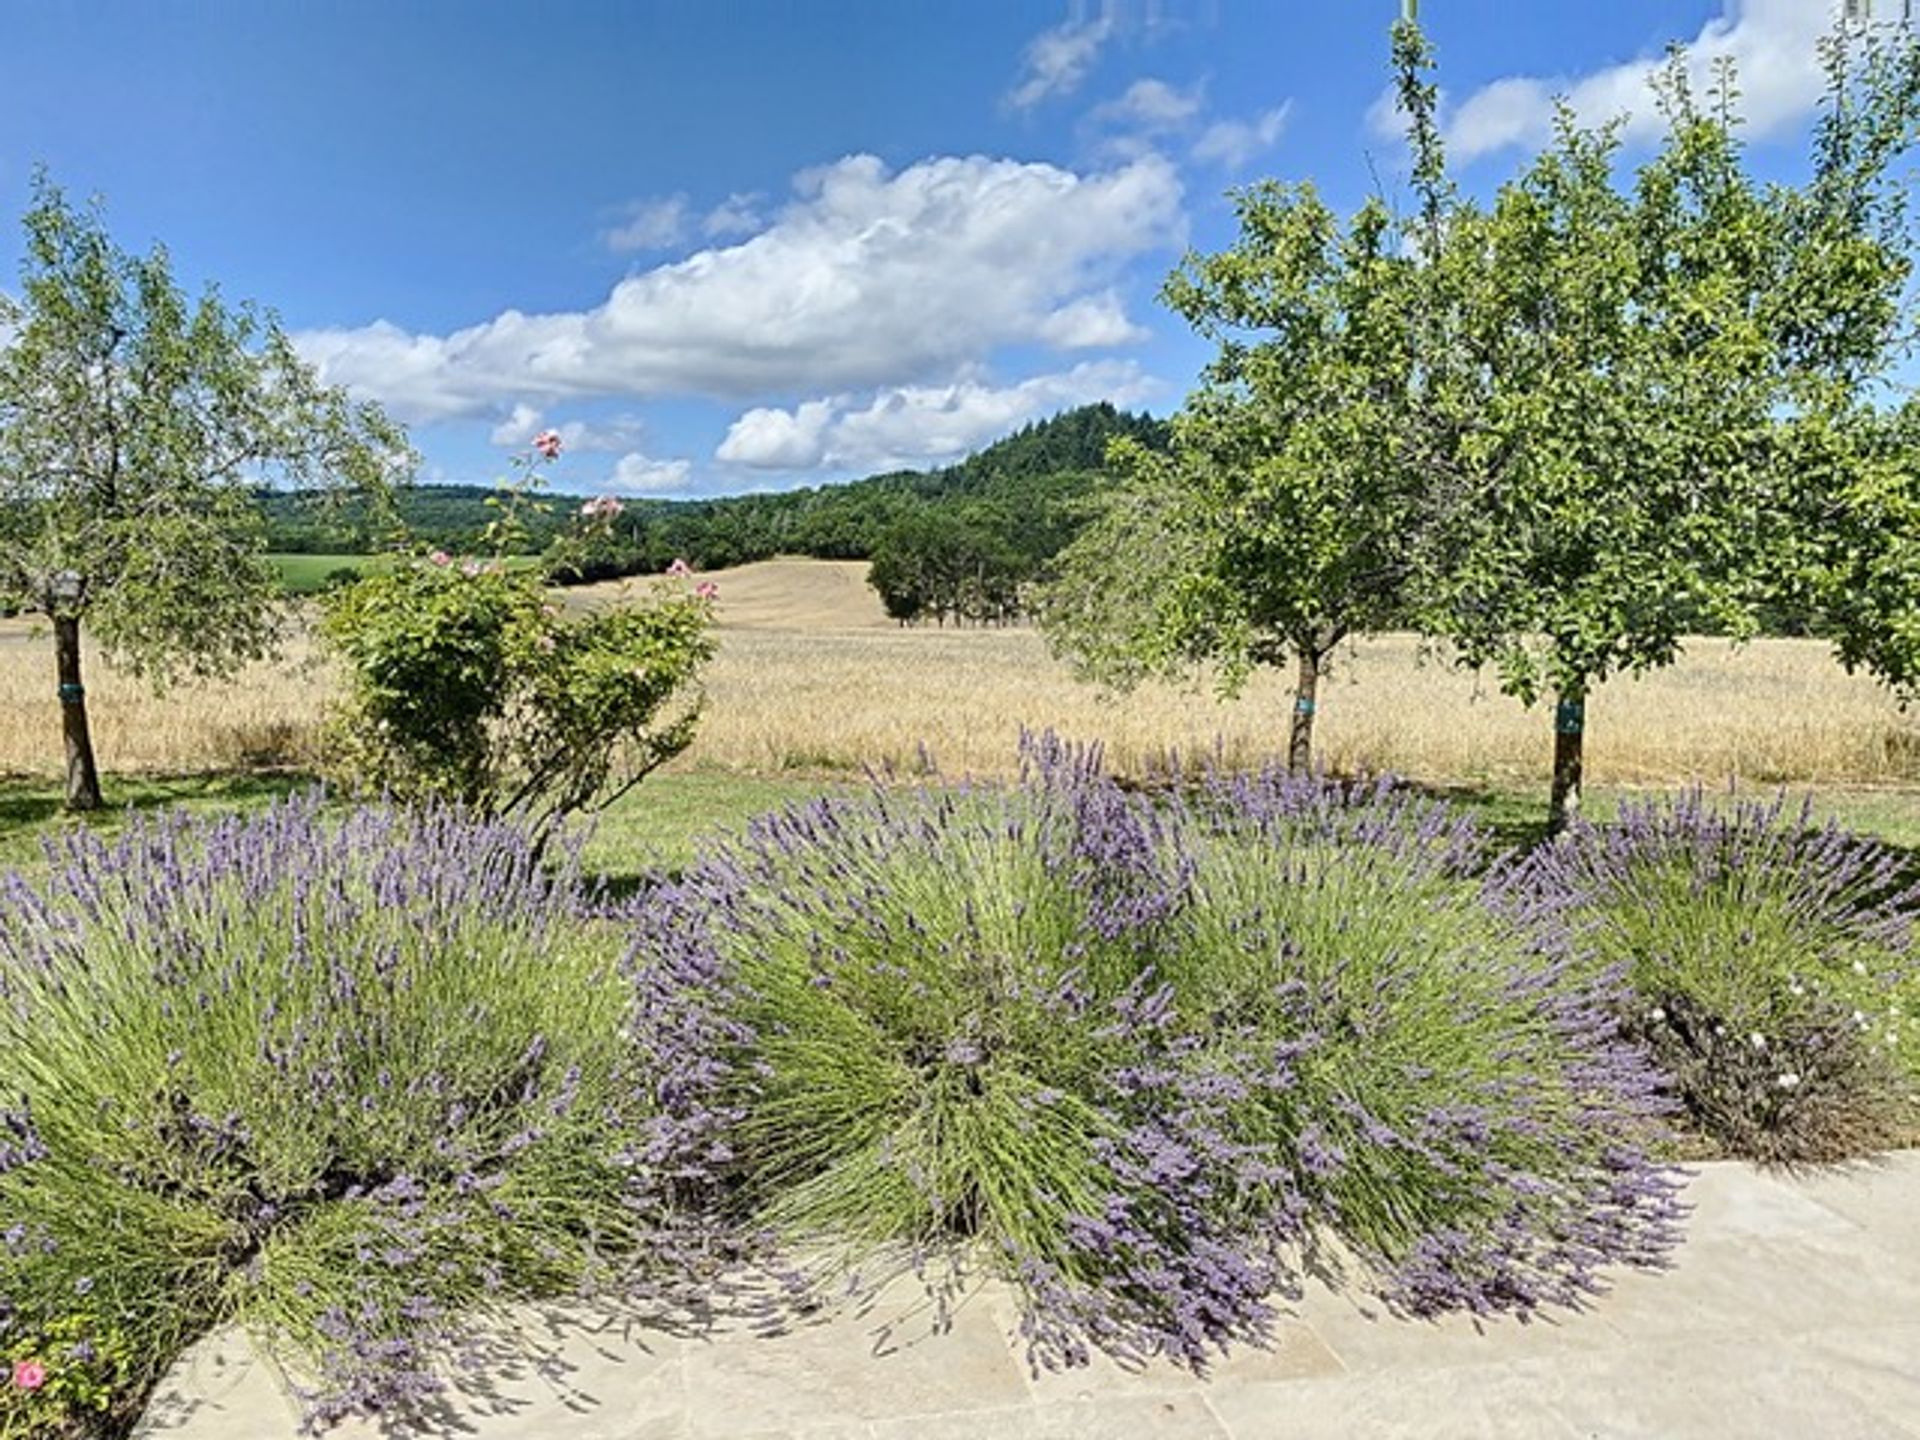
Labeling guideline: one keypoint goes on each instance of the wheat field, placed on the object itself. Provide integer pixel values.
(811, 676)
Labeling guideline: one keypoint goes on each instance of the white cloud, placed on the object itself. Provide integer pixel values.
(917, 425)
(649, 225)
(1152, 115)
(521, 425)
(868, 278)
(525, 421)
(1152, 105)
(1772, 43)
(738, 214)
(638, 474)
(1057, 60)
(1093, 322)
(1232, 143)
(773, 439)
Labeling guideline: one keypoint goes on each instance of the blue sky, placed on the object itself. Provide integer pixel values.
(730, 246)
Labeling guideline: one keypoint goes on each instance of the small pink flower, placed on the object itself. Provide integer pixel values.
(440, 557)
(29, 1374)
(470, 567)
(546, 643)
(707, 590)
(679, 568)
(603, 507)
(547, 442)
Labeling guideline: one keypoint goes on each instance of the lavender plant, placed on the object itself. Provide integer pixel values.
(1137, 1058)
(940, 1040)
(1772, 970)
(1441, 1099)
(349, 1084)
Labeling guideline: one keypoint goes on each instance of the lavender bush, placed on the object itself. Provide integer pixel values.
(1140, 1059)
(1773, 975)
(349, 1084)
(1452, 1105)
(932, 1023)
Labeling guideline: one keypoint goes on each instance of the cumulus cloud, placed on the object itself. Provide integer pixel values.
(524, 421)
(657, 224)
(772, 439)
(521, 424)
(1057, 60)
(1232, 143)
(1152, 105)
(1152, 115)
(916, 425)
(867, 278)
(638, 474)
(1773, 45)
(738, 214)
(1093, 322)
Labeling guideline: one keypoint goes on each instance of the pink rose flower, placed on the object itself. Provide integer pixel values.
(707, 590)
(29, 1374)
(603, 507)
(547, 442)
(679, 568)
(440, 557)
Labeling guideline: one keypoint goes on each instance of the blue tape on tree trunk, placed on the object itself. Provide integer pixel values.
(1570, 717)
(72, 694)
(1302, 705)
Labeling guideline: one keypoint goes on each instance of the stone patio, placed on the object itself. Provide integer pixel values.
(1792, 1311)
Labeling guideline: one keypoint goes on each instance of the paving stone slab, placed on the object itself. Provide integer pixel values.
(1461, 1402)
(1764, 1288)
(884, 1363)
(1732, 1201)
(1297, 1353)
(1879, 1364)
(1166, 1417)
(1711, 1388)
(1881, 1196)
(1793, 1310)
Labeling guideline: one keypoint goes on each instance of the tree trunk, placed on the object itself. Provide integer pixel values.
(83, 780)
(1306, 694)
(1569, 745)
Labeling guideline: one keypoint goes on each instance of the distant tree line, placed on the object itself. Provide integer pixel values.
(957, 545)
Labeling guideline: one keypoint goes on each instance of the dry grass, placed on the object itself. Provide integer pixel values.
(812, 676)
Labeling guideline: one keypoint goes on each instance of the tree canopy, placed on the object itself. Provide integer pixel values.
(135, 425)
(1632, 368)
(1280, 520)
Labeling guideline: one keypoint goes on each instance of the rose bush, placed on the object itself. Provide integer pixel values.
(465, 683)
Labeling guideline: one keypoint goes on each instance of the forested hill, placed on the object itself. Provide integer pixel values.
(1016, 494)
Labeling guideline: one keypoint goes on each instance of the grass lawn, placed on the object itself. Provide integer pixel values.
(660, 823)
(308, 574)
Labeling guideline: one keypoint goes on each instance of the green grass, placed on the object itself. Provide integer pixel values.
(308, 574)
(1519, 817)
(658, 824)
(661, 823)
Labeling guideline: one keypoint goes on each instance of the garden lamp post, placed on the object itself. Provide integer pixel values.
(64, 590)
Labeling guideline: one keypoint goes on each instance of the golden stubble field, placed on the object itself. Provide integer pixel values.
(811, 676)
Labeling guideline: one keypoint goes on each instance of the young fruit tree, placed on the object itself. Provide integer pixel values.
(1640, 363)
(1854, 562)
(134, 426)
(1279, 521)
